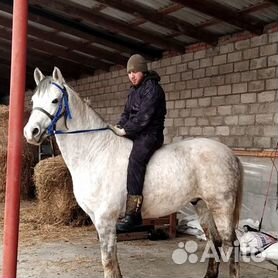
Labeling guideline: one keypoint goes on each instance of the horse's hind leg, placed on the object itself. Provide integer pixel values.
(208, 225)
(224, 221)
(108, 247)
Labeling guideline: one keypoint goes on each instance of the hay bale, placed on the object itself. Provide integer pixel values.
(3, 169)
(4, 122)
(29, 158)
(56, 202)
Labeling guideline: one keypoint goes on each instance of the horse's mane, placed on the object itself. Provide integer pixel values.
(43, 85)
(84, 101)
(46, 82)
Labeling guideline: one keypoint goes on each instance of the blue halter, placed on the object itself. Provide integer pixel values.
(64, 103)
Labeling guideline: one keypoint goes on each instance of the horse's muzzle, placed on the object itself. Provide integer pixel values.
(34, 134)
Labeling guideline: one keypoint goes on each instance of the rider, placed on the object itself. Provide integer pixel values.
(143, 122)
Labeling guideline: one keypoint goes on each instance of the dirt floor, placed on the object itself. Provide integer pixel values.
(54, 251)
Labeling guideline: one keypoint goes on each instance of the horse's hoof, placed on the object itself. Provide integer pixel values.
(211, 275)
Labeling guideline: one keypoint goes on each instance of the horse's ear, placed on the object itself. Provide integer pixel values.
(57, 76)
(38, 76)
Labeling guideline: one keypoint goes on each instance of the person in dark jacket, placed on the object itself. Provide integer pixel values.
(143, 122)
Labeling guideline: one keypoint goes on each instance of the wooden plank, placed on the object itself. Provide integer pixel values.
(167, 223)
(172, 225)
(132, 236)
(156, 221)
(262, 154)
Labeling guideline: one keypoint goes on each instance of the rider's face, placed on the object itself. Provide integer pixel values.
(135, 77)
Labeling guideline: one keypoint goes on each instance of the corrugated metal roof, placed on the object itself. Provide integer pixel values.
(155, 4)
(101, 46)
(266, 15)
(4, 14)
(191, 16)
(222, 28)
(86, 3)
(84, 54)
(133, 38)
(69, 36)
(40, 26)
(115, 13)
(156, 28)
(57, 45)
(239, 4)
(185, 39)
(110, 31)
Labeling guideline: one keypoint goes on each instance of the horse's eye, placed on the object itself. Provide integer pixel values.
(55, 100)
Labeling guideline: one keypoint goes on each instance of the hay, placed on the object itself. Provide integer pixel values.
(4, 121)
(56, 202)
(3, 169)
(29, 158)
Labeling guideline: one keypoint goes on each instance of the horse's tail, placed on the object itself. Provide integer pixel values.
(239, 193)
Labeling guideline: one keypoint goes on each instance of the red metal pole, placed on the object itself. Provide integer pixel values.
(17, 92)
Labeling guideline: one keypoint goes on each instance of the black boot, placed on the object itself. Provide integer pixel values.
(133, 216)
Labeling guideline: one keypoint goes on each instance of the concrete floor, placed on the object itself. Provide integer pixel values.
(65, 252)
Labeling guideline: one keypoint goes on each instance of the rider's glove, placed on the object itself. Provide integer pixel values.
(118, 130)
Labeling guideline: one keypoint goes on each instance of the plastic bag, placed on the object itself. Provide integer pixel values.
(270, 253)
(255, 242)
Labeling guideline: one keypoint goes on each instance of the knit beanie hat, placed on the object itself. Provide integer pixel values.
(136, 63)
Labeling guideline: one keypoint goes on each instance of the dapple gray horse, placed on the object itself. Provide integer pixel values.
(197, 169)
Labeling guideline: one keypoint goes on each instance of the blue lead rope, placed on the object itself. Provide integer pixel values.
(58, 115)
(79, 131)
(64, 100)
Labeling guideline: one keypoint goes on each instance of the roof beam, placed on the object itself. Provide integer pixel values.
(78, 29)
(167, 21)
(4, 88)
(60, 51)
(69, 43)
(79, 12)
(43, 62)
(256, 7)
(247, 10)
(275, 2)
(224, 13)
(5, 72)
(43, 58)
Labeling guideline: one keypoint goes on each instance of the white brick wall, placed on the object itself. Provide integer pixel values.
(227, 92)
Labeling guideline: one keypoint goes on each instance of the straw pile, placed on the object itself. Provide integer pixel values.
(29, 158)
(56, 202)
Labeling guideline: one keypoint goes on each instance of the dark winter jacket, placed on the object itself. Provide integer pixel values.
(145, 108)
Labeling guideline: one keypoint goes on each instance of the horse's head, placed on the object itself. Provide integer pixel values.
(48, 106)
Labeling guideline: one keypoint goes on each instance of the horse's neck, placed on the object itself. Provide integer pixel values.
(81, 147)
(84, 117)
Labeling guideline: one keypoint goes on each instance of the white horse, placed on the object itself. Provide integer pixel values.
(199, 169)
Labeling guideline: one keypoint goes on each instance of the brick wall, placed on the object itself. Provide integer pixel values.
(227, 92)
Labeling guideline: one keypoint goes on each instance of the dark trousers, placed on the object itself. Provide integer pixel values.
(143, 148)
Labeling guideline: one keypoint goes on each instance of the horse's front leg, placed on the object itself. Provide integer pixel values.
(108, 246)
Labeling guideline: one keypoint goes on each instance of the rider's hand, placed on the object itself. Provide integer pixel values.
(117, 130)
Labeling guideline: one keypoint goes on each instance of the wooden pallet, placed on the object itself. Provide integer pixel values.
(167, 223)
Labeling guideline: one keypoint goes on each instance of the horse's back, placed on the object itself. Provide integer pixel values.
(187, 169)
(196, 150)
